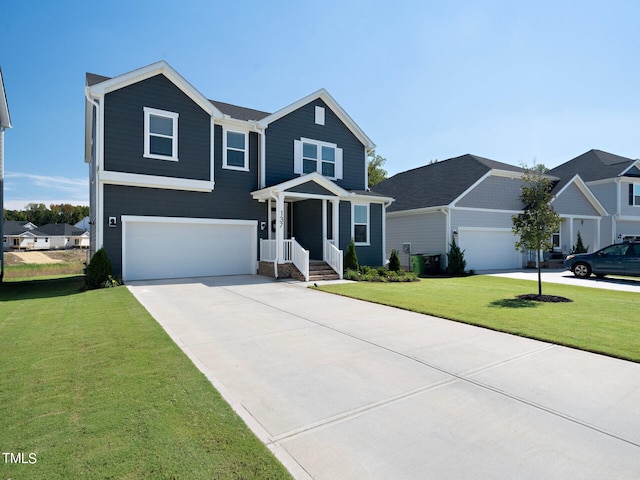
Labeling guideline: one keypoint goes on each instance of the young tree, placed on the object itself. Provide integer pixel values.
(375, 170)
(455, 259)
(537, 223)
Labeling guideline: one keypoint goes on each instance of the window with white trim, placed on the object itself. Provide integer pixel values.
(160, 134)
(315, 156)
(236, 150)
(360, 224)
(636, 194)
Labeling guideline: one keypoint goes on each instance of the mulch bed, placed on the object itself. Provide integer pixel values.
(544, 298)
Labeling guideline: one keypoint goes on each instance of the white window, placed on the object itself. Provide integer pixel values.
(160, 134)
(360, 224)
(315, 156)
(236, 150)
(319, 115)
(636, 194)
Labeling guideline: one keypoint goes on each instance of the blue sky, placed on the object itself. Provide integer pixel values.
(516, 82)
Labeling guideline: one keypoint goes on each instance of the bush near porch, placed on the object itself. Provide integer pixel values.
(380, 274)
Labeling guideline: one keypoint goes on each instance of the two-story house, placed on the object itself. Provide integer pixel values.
(183, 186)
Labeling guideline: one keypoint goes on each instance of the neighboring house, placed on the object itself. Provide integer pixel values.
(19, 235)
(64, 236)
(5, 122)
(84, 224)
(184, 186)
(614, 181)
(469, 198)
(473, 200)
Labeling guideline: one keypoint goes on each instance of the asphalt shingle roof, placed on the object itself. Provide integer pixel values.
(437, 184)
(591, 166)
(60, 229)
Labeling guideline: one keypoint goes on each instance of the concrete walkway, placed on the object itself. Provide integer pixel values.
(342, 389)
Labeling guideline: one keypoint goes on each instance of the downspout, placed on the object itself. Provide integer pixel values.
(275, 261)
(384, 229)
(448, 235)
(2, 129)
(93, 173)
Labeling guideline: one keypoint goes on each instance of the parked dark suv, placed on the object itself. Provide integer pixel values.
(617, 259)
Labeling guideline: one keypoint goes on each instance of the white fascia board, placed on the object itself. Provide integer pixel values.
(149, 71)
(186, 220)
(419, 211)
(5, 118)
(474, 185)
(333, 105)
(634, 164)
(153, 181)
(265, 193)
(371, 198)
(603, 181)
(585, 191)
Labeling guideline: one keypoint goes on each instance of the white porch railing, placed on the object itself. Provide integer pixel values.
(333, 256)
(300, 258)
(292, 253)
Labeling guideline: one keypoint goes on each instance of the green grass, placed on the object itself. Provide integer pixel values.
(31, 270)
(601, 321)
(92, 385)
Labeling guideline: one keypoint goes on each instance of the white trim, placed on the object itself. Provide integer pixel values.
(468, 190)
(225, 148)
(173, 116)
(335, 108)
(337, 159)
(152, 70)
(337, 190)
(487, 210)
(585, 191)
(602, 181)
(418, 211)
(154, 181)
(353, 224)
(634, 164)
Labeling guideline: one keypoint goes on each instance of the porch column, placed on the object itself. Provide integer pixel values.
(335, 220)
(280, 227)
(325, 234)
(269, 219)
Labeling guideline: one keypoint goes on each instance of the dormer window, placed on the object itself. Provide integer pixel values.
(160, 134)
(315, 156)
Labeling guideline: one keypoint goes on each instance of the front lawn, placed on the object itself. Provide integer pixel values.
(92, 387)
(601, 321)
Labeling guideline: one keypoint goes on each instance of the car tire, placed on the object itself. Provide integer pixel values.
(582, 270)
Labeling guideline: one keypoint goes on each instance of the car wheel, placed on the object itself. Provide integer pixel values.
(581, 270)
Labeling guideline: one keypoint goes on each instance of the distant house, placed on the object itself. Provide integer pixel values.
(19, 235)
(27, 236)
(5, 122)
(84, 224)
(63, 236)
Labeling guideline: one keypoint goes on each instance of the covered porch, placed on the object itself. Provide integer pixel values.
(303, 227)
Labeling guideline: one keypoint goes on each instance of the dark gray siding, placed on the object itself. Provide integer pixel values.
(301, 123)
(124, 130)
(310, 187)
(367, 255)
(307, 226)
(230, 199)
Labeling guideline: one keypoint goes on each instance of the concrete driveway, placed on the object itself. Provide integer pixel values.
(339, 388)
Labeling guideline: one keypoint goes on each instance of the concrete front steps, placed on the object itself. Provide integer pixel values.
(319, 270)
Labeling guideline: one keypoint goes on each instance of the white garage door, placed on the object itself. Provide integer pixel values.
(489, 249)
(155, 247)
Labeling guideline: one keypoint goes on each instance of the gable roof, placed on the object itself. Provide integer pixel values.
(438, 184)
(61, 229)
(591, 166)
(584, 189)
(100, 85)
(239, 113)
(5, 118)
(333, 105)
(17, 227)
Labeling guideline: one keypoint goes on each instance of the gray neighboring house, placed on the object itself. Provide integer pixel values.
(5, 122)
(473, 199)
(614, 182)
(183, 186)
(64, 236)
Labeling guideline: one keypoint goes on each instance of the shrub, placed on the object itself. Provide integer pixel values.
(111, 282)
(579, 246)
(394, 261)
(456, 262)
(380, 274)
(351, 257)
(99, 269)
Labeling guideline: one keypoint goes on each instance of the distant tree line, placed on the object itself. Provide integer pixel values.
(39, 214)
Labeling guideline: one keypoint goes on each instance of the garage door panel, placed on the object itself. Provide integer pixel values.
(153, 250)
(490, 249)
